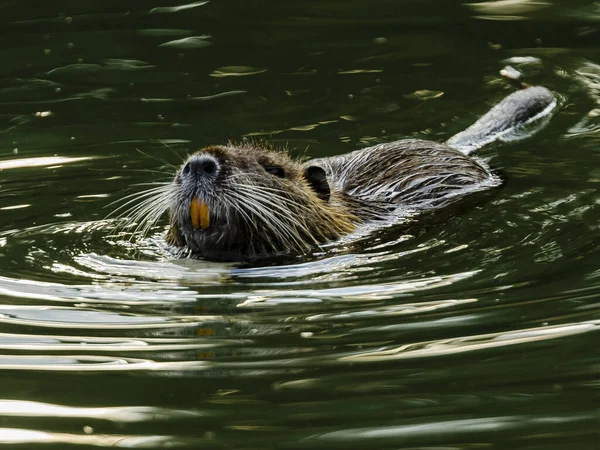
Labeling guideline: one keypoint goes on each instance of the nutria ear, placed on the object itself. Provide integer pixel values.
(317, 179)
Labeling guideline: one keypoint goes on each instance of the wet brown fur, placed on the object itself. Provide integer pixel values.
(411, 173)
(369, 184)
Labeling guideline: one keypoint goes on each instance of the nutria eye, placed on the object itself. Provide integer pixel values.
(275, 170)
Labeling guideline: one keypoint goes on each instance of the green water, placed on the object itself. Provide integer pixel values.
(477, 333)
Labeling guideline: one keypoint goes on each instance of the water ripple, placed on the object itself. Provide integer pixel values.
(476, 343)
(467, 430)
(24, 436)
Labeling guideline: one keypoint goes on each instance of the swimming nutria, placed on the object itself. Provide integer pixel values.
(240, 202)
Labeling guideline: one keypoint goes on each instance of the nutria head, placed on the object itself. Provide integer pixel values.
(248, 201)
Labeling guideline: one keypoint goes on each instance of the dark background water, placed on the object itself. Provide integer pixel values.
(479, 333)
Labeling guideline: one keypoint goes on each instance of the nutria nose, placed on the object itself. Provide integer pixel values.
(201, 166)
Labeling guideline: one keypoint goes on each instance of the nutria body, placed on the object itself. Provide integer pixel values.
(241, 202)
(259, 202)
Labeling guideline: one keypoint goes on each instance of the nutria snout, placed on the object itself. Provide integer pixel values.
(249, 201)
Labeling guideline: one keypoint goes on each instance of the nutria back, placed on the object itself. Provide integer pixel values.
(410, 173)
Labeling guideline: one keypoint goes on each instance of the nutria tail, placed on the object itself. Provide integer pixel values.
(516, 117)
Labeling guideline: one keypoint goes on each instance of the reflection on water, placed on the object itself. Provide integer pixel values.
(508, 9)
(479, 332)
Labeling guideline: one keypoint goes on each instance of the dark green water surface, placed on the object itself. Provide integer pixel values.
(478, 333)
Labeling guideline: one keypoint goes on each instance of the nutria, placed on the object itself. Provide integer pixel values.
(247, 201)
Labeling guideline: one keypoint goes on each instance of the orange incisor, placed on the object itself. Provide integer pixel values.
(199, 214)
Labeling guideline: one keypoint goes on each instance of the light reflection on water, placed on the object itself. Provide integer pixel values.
(477, 332)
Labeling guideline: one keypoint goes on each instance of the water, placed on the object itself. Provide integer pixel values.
(480, 332)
